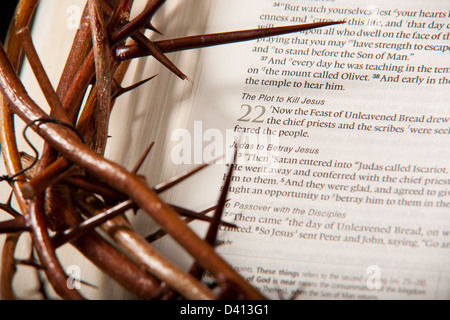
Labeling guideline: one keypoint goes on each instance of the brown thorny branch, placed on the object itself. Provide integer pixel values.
(73, 190)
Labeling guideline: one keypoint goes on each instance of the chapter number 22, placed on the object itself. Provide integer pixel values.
(252, 114)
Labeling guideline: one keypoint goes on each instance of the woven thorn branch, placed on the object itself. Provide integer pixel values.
(68, 190)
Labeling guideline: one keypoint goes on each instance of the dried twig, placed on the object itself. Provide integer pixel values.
(61, 193)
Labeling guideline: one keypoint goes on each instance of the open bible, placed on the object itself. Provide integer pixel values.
(341, 185)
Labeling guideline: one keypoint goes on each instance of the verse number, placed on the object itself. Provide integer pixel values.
(251, 112)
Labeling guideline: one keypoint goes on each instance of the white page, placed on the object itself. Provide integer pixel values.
(385, 233)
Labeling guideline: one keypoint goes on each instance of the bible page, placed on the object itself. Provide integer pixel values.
(340, 189)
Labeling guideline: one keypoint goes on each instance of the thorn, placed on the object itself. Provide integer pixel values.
(163, 186)
(10, 198)
(68, 235)
(84, 282)
(155, 236)
(208, 40)
(8, 209)
(139, 22)
(161, 233)
(41, 288)
(122, 91)
(18, 224)
(97, 187)
(150, 48)
(211, 236)
(151, 27)
(200, 216)
(47, 89)
(29, 262)
(142, 159)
